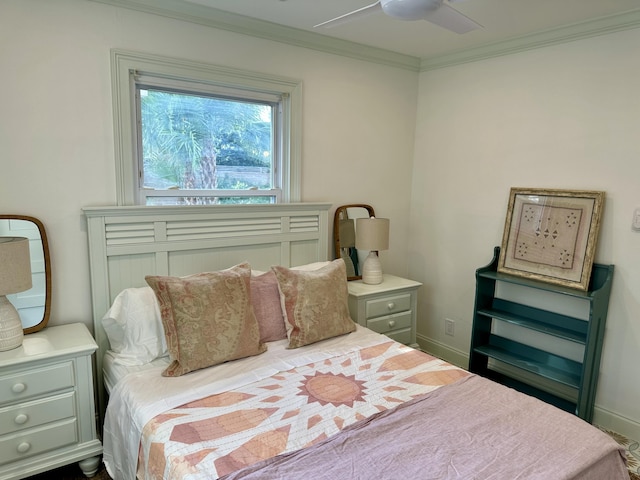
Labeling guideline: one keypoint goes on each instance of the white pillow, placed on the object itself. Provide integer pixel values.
(134, 327)
(308, 266)
(311, 266)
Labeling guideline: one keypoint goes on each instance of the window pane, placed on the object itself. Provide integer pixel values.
(201, 142)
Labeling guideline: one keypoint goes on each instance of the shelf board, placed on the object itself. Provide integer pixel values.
(562, 403)
(503, 277)
(532, 360)
(534, 325)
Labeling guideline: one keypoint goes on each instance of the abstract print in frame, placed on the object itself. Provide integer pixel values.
(551, 235)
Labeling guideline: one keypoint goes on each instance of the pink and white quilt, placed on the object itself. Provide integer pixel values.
(292, 409)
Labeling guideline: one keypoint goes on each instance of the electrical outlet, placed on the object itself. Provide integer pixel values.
(636, 220)
(449, 326)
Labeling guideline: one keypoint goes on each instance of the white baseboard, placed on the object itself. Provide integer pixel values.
(445, 352)
(615, 422)
(601, 416)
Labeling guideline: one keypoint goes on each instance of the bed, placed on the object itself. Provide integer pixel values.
(295, 389)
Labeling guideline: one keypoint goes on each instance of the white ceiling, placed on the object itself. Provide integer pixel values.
(511, 23)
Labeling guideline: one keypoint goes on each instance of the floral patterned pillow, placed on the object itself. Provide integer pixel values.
(314, 303)
(207, 318)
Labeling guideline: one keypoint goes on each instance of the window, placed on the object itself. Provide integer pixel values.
(199, 148)
(190, 133)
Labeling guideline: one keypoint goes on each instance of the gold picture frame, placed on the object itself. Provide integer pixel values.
(551, 235)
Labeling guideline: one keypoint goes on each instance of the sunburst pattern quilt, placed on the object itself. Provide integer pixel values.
(292, 409)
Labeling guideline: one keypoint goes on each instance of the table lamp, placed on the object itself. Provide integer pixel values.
(15, 276)
(372, 234)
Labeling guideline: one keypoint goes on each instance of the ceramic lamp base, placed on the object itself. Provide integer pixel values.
(372, 270)
(10, 326)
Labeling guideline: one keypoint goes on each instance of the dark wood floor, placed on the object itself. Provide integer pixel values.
(70, 472)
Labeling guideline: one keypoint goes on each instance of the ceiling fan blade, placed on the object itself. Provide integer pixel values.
(347, 17)
(451, 19)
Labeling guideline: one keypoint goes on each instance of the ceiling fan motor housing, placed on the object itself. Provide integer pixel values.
(409, 9)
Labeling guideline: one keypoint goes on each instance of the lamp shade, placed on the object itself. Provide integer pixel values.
(372, 233)
(15, 265)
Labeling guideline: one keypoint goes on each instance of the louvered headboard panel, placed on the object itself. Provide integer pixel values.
(127, 243)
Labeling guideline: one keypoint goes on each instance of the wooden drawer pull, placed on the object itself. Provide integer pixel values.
(21, 419)
(18, 388)
(391, 305)
(392, 323)
(24, 447)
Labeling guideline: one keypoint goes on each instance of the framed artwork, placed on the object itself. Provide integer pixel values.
(551, 235)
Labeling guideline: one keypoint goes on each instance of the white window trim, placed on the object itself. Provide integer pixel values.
(275, 193)
(123, 62)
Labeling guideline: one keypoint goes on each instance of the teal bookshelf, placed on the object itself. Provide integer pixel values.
(549, 375)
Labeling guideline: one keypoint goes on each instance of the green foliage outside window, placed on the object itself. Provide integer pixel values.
(199, 142)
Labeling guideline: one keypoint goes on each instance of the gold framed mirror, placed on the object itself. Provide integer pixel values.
(344, 236)
(33, 305)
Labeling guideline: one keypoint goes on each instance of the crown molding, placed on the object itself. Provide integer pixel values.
(211, 17)
(556, 36)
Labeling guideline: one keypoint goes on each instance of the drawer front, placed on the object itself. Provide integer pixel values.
(391, 322)
(38, 412)
(387, 305)
(37, 440)
(30, 383)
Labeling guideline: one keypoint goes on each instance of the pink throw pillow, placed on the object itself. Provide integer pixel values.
(265, 298)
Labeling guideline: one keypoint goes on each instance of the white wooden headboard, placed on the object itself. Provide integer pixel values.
(127, 243)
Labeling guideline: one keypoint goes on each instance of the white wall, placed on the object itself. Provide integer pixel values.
(56, 127)
(565, 116)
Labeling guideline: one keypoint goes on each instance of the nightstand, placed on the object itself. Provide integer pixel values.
(388, 308)
(47, 408)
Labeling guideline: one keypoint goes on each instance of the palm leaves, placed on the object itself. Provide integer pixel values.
(184, 138)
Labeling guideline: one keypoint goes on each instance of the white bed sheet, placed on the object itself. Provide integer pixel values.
(113, 371)
(141, 395)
